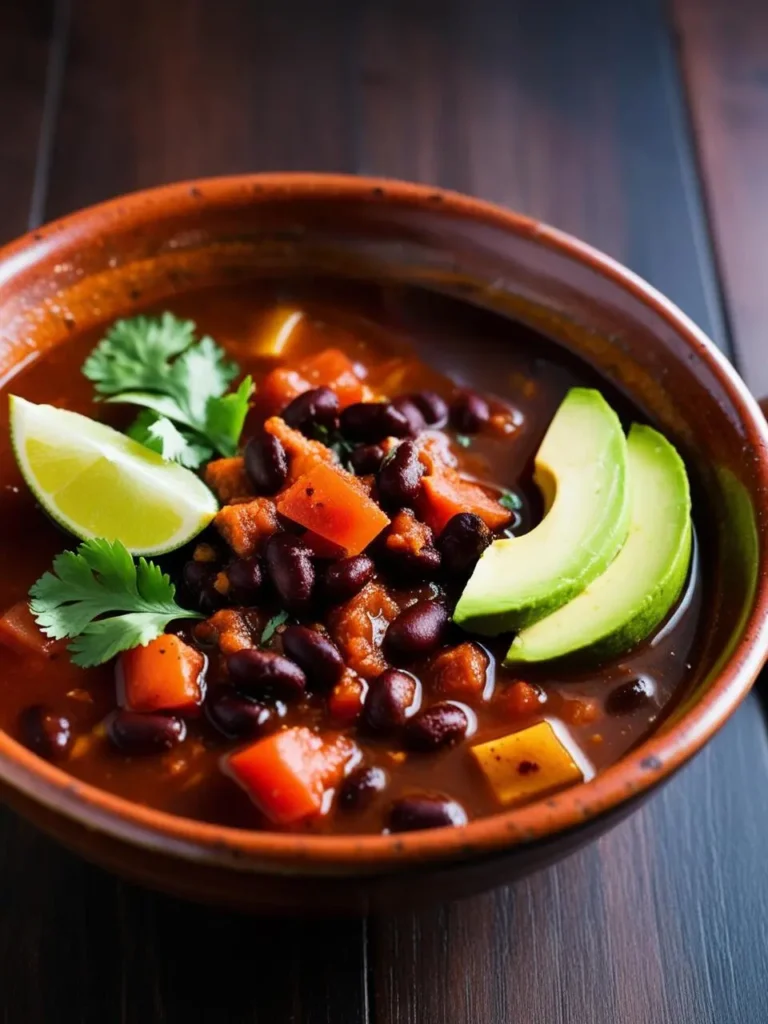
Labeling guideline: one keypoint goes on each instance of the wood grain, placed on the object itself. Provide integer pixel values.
(570, 112)
(724, 55)
(26, 40)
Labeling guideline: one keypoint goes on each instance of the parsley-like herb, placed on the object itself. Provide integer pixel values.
(157, 363)
(336, 442)
(101, 578)
(511, 501)
(463, 440)
(272, 626)
(173, 443)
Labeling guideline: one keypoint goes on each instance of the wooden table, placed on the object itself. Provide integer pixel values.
(643, 130)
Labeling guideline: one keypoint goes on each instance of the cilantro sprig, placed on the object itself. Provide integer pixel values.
(103, 601)
(510, 501)
(180, 381)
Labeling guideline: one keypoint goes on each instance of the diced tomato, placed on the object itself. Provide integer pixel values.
(459, 673)
(521, 699)
(332, 369)
(166, 675)
(346, 700)
(330, 503)
(19, 631)
(303, 452)
(287, 774)
(444, 494)
(278, 388)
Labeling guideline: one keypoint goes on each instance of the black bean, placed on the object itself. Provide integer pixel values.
(433, 408)
(46, 734)
(415, 632)
(236, 716)
(343, 579)
(373, 421)
(360, 788)
(399, 479)
(366, 459)
(315, 654)
(469, 412)
(411, 411)
(137, 733)
(411, 813)
(316, 408)
(290, 567)
(464, 538)
(630, 696)
(390, 698)
(266, 464)
(266, 674)
(246, 580)
(198, 579)
(438, 726)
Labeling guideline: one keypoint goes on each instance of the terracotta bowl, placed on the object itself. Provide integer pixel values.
(100, 263)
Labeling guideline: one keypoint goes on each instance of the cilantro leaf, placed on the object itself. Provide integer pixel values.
(463, 440)
(225, 416)
(511, 501)
(162, 436)
(102, 579)
(272, 626)
(135, 353)
(158, 364)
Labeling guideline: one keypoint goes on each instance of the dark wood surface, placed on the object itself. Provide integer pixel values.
(576, 113)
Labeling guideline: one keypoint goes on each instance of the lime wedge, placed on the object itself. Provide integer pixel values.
(96, 482)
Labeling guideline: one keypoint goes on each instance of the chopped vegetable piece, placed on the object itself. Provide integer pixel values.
(444, 494)
(332, 369)
(163, 676)
(459, 672)
(101, 579)
(303, 453)
(346, 700)
(358, 627)
(278, 388)
(329, 502)
(527, 764)
(287, 774)
(246, 526)
(276, 331)
(227, 478)
(19, 631)
(231, 629)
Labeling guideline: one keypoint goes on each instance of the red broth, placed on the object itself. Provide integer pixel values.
(405, 341)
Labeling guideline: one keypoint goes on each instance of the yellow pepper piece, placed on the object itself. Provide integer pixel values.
(526, 764)
(275, 331)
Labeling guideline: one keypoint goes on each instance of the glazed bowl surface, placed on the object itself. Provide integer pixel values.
(112, 259)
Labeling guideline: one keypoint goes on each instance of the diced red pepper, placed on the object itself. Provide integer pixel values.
(331, 503)
(445, 493)
(332, 369)
(287, 774)
(19, 631)
(166, 675)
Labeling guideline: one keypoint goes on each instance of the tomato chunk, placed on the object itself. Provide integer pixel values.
(331, 504)
(287, 774)
(19, 631)
(444, 494)
(163, 676)
(332, 369)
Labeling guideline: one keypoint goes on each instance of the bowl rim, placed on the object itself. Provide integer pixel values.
(643, 767)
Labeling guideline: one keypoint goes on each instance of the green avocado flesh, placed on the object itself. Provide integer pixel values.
(581, 470)
(626, 603)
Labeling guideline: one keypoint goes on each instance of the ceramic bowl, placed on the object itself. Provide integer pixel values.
(103, 262)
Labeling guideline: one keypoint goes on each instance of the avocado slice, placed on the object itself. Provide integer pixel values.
(581, 471)
(639, 587)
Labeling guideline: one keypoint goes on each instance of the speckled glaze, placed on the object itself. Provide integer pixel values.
(102, 262)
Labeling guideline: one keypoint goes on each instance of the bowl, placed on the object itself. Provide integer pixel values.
(102, 262)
